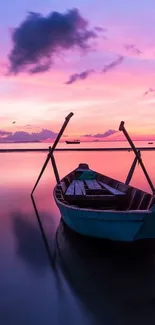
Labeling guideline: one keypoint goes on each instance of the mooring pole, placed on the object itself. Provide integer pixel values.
(122, 128)
(53, 148)
(55, 169)
(131, 171)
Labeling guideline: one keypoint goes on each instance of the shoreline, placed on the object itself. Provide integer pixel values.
(74, 149)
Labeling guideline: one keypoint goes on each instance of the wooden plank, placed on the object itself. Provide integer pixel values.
(151, 203)
(141, 200)
(111, 189)
(81, 184)
(90, 198)
(93, 184)
(100, 197)
(78, 190)
(134, 191)
(71, 189)
(145, 202)
(62, 185)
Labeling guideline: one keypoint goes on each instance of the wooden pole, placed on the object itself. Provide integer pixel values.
(122, 128)
(131, 171)
(55, 167)
(52, 149)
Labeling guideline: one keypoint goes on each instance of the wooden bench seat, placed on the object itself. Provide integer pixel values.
(93, 184)
(111, 189)
(76, 188)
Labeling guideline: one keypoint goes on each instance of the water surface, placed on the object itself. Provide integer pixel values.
(93, 289)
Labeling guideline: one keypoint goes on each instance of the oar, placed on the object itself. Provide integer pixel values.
(122, 128)
(52, 149)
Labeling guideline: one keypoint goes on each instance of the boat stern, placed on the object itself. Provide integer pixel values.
(147, 230)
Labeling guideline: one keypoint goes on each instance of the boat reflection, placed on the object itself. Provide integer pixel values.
(116, 284)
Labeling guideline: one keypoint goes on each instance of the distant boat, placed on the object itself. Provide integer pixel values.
(73, 142)
(150, 142)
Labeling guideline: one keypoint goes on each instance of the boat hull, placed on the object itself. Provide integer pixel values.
(73, 142)
(113, 225)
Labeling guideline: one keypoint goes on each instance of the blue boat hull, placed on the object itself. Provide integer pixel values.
(124, 226)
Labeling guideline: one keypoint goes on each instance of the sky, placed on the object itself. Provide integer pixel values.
(94, 58)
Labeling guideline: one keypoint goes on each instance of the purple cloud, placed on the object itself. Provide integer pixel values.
(44, 134)
(4, 133)
(132, 48)
(41, 68)
(85, 74)
(79, 76)
(150, 90)
(101, 135)
(113, 64)
(38, 39)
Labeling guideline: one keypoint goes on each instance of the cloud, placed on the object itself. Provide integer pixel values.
(41, 68)
(38, 39)
(100, 29)
(4, 133)
(150, 90)
(133, 49)
(44, 134)
(79, 76)
(113, 64)
(85, 74)
(101, 135)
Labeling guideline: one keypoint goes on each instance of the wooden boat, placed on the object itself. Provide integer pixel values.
(98, 206)
(150, 142)
(73, 142)
(103, 207)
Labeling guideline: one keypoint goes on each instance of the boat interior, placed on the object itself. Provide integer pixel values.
(101, 193)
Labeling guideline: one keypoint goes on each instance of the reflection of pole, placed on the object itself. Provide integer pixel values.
(53, 148)
(43, 235)
(131, 171)
(122, 128)
(55, 167)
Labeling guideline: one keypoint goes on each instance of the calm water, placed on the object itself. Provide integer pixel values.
(100, 144)
(78, 287)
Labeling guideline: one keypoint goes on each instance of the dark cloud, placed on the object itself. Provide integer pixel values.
(38, 39)
(85, 74)
(41, 67)
(79, 76)
(25, 136)
(101, 135)
(150, 90)
(132, 48)
(113, 64)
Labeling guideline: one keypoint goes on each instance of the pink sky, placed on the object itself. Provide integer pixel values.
(100, 101)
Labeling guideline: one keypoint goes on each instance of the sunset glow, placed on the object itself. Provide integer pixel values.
(93, 83)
